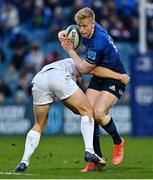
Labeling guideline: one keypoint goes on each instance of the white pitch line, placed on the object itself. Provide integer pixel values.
(17, 174)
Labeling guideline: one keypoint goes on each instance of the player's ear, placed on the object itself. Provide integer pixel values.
(93, 24)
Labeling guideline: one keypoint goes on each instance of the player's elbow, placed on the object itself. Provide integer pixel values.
(84, 70)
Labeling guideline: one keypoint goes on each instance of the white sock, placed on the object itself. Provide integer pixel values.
(32, 141)
(87, 130)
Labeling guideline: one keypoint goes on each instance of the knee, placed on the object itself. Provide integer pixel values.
(99, 116)
(86, 111)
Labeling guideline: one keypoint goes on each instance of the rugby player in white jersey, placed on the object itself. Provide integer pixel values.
(59, 79)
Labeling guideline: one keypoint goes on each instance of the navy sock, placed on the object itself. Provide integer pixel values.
(96, 140)
(110, 128)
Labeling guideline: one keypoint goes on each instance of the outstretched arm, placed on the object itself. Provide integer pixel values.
(107, 73)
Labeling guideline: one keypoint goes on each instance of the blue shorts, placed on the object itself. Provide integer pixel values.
(107, 84)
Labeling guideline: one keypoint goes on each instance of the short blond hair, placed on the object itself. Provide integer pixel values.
(85, 13)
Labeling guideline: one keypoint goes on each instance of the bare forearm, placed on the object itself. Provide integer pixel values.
(79, 62)
(82, 65)
(76, 59)
(107, 73)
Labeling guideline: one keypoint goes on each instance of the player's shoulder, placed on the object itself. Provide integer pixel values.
(68, 60)
(100, 31)
(100, 37)
(62, 60)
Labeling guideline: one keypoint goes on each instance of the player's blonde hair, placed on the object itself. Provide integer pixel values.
(85, 13)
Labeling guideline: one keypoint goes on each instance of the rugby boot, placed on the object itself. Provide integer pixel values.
(89, 157)
(91, 166)
(21, 167)
(118, 153)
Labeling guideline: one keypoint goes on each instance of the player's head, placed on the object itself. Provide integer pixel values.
(85, 19)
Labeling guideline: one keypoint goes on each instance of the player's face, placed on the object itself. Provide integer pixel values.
(86, 27)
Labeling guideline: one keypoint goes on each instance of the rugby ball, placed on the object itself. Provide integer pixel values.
(74, 35)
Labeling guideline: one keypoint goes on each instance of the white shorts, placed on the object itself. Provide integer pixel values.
(51, 83)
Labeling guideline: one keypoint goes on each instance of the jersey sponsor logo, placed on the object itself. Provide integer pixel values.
(91, 55)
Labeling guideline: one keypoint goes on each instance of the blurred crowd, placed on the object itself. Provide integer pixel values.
(28, 36)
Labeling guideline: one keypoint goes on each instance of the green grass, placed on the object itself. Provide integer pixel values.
(59, 157)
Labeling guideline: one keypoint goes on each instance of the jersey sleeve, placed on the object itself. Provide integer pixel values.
(95, 54)
(91, 56)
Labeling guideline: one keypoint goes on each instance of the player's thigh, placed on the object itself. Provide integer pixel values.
(92, 95)
(78, 103)
(104, 102)
(41, 115)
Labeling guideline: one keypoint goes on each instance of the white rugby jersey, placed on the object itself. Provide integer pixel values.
(66, 65)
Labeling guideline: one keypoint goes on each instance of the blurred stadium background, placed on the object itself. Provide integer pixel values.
(28, 41)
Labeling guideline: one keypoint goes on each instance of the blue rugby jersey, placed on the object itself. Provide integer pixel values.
(101, 51)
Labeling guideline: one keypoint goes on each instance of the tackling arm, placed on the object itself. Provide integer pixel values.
(107, 73)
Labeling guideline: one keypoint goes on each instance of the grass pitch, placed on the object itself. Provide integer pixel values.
(61, 157)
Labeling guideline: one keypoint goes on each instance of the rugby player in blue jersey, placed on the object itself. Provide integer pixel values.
(102, 92)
